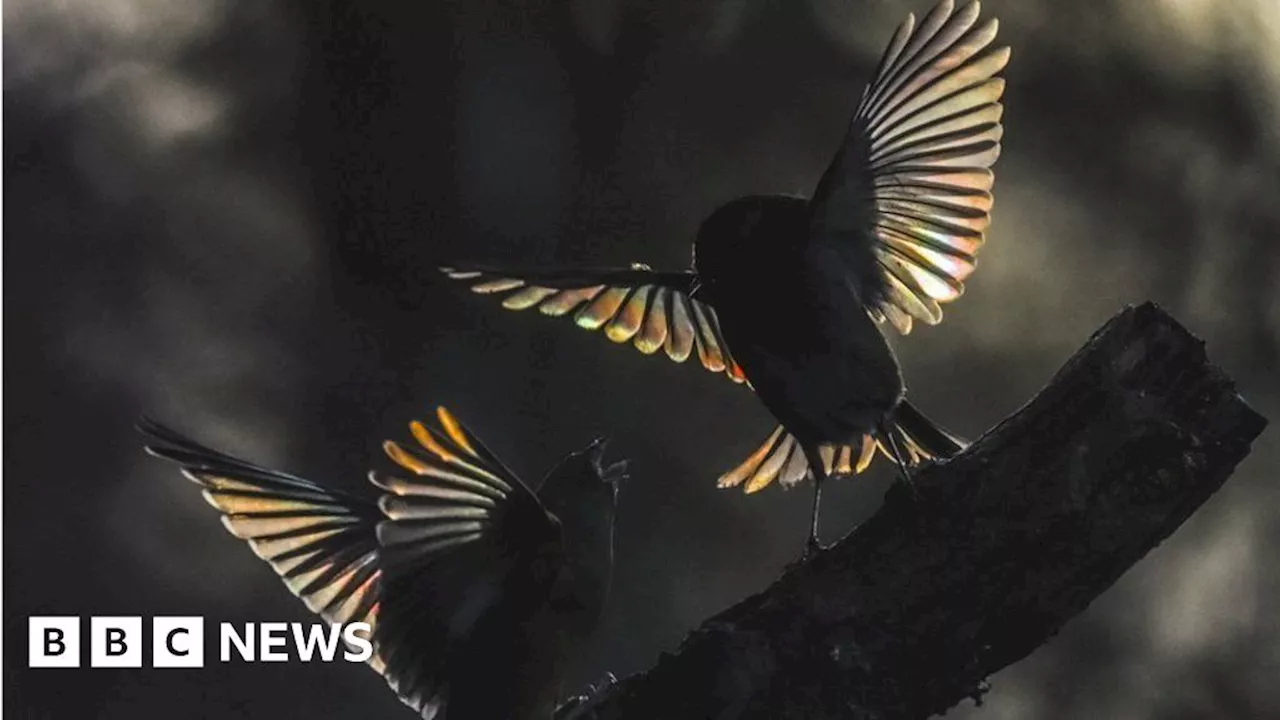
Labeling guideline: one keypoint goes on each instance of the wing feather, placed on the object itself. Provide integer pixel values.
(320, 542)
(648, 309)
(457, 524)
(420, 566)
(910, 190)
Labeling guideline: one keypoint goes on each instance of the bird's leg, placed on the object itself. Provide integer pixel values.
(886, 432)
(819, 471)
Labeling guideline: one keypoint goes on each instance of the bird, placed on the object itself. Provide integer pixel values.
(479, 588)
(789, 294)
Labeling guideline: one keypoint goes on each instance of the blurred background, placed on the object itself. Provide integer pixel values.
(225, 213)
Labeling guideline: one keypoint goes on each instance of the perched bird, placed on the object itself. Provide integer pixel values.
(479, 588)
(787, 294)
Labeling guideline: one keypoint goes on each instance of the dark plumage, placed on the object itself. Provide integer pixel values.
(787, 294)
(479, 589)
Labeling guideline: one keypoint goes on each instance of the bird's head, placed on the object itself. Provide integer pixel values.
(582, 491)
(746, 236)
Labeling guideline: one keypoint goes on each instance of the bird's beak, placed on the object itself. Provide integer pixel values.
(595, 451)
(616, 473)
(613, 473)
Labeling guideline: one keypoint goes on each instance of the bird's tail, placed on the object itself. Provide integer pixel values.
(923, 438)
(781, 458)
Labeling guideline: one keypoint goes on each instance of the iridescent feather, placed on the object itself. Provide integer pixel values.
(334, 551)
(649, 315)
(917, 162)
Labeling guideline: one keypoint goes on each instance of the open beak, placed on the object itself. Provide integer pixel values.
(613, 473)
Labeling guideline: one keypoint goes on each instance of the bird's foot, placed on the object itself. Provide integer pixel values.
(602, 685)
(576, 706)
(812, 548)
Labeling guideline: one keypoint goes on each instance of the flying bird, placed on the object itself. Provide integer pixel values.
(479, 589)
(788, 294)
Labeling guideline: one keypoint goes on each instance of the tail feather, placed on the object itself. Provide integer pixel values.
(781, 458)
(925, 439)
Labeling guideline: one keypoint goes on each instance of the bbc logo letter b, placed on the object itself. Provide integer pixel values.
(53, 641)
(115, 642)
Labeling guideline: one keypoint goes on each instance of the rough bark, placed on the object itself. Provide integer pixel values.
(997, 549)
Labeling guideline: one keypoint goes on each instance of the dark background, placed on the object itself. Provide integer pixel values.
(225, 213)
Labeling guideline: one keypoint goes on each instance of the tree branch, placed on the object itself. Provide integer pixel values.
(1003, 544)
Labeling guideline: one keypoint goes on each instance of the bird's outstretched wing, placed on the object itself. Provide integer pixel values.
(442, 546)
(651, 310)
(320, 542)
(907, 198)
(462, 536)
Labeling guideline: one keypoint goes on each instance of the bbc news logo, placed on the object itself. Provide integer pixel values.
(178, 642)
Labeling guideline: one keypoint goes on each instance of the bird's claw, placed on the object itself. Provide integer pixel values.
(605, 683)
(575, 706)
(811, 548)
